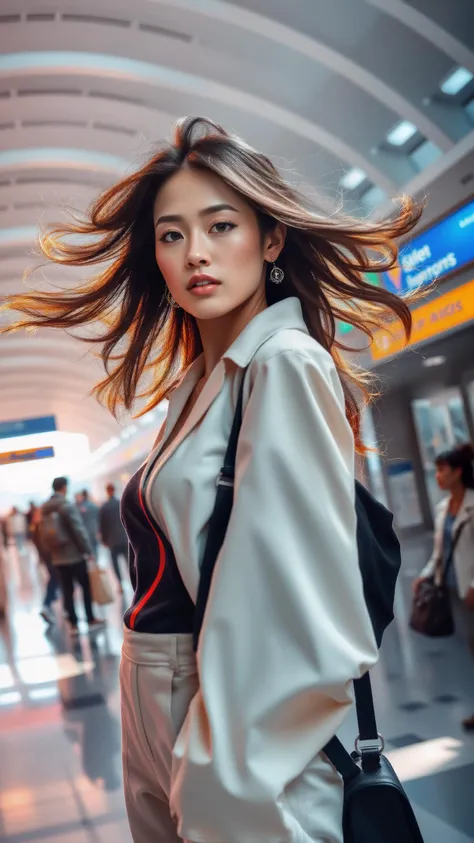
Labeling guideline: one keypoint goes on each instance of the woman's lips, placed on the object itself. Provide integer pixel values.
(202, 285)
(204, 289)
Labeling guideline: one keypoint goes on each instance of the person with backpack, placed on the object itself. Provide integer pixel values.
(65, 538)
(45, 558)
(250, 619)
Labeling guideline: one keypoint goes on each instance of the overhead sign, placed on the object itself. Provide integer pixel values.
(374, 279)
(11, 457)
(440, 315)
(23, 427)
(447, 246)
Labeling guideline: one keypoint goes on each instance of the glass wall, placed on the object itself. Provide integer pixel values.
(373, 462)
(440, 424)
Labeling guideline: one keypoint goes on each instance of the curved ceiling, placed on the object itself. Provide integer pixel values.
(88, 86)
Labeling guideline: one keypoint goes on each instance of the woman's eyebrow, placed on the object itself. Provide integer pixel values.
(212, 209)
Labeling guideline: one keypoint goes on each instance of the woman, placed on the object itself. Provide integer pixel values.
(219, 274)
(455, 523)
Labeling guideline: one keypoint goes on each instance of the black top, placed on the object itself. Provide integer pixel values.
(161, 603)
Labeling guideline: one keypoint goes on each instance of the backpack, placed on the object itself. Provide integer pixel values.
(376, 808)
(52, 531)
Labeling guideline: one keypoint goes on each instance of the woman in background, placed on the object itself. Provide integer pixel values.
(455, 517)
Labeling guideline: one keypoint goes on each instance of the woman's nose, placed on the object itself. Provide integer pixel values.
(198, 253)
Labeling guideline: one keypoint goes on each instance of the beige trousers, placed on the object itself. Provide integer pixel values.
(158, 679)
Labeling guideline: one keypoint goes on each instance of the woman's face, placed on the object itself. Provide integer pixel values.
(209, 246)
(447, 477)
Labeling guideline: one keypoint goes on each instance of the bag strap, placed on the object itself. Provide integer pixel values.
(369, 744)
(219, 519)
(450, 559)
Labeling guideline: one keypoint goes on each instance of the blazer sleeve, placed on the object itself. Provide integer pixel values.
(286, 627)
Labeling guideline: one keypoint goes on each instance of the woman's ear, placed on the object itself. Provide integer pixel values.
(275, 242)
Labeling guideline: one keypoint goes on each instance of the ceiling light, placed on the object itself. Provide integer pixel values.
(10, 698)
(434, 361)
(37, 694)
(456, 81)
(353, 178)
(401, 133)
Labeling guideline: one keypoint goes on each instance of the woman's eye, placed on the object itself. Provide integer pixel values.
(222, 227)
(170, 237)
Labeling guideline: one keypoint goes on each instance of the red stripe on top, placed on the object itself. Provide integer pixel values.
(161, 568)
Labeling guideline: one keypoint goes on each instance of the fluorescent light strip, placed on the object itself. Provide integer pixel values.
(456, 81)
(42, 156)
(353, 178)
(401, 133)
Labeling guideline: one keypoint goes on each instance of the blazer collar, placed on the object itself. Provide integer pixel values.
(467, 509)
(283, 315)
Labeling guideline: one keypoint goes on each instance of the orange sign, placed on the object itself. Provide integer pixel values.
(440, 315)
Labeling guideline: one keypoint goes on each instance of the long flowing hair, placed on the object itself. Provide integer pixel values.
(145, 344)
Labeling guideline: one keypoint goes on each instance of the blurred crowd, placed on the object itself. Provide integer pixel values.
(67, 536)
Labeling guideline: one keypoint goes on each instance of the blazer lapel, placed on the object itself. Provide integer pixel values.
(209, 393)
(467, 510)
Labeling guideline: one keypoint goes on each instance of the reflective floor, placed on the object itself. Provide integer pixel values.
(60, 779)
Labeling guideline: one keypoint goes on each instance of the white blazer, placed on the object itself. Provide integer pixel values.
(464, 551)
(286, 627)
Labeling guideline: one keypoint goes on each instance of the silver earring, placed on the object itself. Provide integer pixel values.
(169, 298)
(276, 275)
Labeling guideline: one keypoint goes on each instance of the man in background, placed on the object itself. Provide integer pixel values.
(90, 515)
(65, 538)
(112, 532)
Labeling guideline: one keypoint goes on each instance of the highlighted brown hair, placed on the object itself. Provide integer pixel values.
(145, 344)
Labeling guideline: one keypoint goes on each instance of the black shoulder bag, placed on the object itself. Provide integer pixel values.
(431, 611)
(376, 807)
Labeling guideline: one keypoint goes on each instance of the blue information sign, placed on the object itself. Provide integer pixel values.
(447, 246)
(23, 427)
(11, 457)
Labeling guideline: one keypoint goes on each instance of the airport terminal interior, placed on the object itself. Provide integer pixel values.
(357, 102)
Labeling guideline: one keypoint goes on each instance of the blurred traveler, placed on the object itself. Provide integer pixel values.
(45, 558)
(455, 523)
(230, 286)
(112, 531)
(17, 528)
(65, 537)
(3, 585)
(30, 516)
(90, 515)
(4, 527)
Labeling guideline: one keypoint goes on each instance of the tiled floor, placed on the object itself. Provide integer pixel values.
(60, 778)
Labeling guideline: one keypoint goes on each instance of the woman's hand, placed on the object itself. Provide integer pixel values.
(469, 599)
(416, 584)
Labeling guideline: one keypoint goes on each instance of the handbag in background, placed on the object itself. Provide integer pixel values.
(431, 611)
(101, 590)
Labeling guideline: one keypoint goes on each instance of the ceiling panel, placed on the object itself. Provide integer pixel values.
(87, 88)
